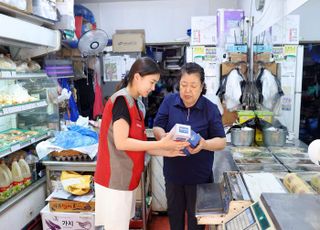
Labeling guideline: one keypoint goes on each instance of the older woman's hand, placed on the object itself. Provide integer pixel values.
(168, 153)
(199, 147)
(168, 144)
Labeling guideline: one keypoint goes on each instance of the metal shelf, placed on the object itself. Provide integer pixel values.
(89, 166)
(11, 201)
(19, 76)
(20, 145)
(12, 109)
(25, 16)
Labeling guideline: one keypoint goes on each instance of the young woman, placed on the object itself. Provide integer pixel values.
(122, 147)
(182, 175)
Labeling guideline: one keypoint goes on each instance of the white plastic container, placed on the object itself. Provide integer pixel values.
(7, 170)
(4, 185)
(25, 170)
(16, 176)
(32, 160)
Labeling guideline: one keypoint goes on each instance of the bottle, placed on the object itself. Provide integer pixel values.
(25, 170)
(32, 160)
(16, 176)
(4, 185)
(7, 170)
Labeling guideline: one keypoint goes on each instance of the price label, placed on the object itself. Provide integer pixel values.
(33, 140)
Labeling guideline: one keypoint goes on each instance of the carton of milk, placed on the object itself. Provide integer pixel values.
(181, 132)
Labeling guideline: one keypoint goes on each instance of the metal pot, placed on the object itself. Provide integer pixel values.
(242, 137)
(274, 137)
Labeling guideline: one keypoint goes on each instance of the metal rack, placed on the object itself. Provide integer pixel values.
(90, 166)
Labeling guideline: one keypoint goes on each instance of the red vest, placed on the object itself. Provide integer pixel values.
(117, 169)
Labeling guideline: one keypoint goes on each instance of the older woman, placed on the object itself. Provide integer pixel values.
(182, 175)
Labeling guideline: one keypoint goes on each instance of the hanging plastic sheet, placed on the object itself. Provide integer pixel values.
(231, 88)
(269, 88)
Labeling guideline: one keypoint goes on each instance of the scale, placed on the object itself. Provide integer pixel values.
(218, 202)
(279, 211)
(229, 204)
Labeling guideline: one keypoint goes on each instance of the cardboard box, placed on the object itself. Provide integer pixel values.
(245, 115)
(203, 30)
(193, 140)
(57, 205)
(228, 29)
(128, 41)
(66, 221)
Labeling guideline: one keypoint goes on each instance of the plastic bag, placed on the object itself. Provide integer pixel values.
(75, 183)
(76, 137)
(84, 131)
(233, 90)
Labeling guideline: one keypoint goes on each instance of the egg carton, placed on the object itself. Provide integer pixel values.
(71, 157)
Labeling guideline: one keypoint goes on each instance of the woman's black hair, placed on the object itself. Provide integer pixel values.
(144, 66)
(190, 68)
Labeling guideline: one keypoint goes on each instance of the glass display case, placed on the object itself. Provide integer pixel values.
(28, 114)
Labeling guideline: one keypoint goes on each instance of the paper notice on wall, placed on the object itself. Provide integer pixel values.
(207, 58)
(286, 31)
(203, 30)
(290, 51)
(278, 53)
(114, 68)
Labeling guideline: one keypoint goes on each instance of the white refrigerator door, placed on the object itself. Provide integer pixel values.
(298, 89)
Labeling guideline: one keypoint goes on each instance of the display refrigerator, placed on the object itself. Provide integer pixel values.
(290, 60)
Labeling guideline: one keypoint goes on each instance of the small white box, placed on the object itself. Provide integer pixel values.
(181, 132)
(66, 220)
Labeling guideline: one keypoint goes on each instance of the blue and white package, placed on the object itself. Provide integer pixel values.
(193, 140)
(181, 132)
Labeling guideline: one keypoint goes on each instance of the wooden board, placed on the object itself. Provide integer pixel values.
(235, 208)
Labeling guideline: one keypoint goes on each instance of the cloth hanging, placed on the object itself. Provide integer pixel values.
(73, 113)
(98, 104)
(85, 94)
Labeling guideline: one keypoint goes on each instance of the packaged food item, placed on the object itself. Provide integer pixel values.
(193, 140)
(25, 170)
(16, 176)
(32, 160)
(75, 183)
(181, 132)
(295, 184)
(4, 185)
(7, 170)
(315, 182)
